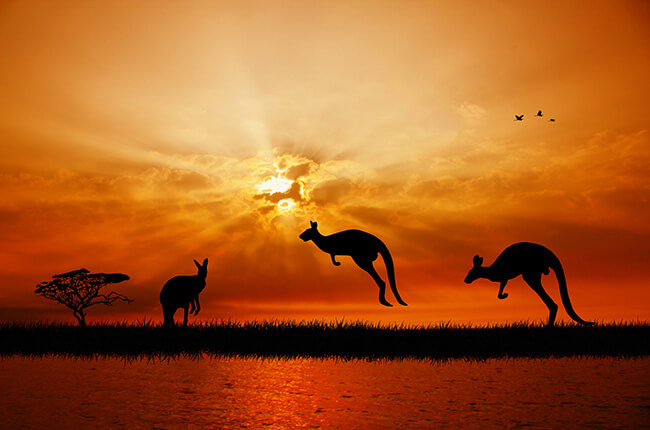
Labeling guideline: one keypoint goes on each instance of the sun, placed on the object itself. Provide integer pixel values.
(285, 183)
(286, 204)
(274, 184)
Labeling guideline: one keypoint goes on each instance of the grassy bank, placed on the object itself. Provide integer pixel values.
(321, 339)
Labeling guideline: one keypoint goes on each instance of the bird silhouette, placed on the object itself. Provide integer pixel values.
(552, 119)
(539, 113)
(519, 117)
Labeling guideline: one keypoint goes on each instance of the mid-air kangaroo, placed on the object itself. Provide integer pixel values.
(529, 260)
(181, 292)
(364, 248)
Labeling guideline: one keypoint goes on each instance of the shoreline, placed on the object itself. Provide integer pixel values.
(320, 339)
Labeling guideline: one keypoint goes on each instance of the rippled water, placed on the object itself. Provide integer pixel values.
(313, 393)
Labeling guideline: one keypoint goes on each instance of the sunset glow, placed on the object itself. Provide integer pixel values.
(220, 130)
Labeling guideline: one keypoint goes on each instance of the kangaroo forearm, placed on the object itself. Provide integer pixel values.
(501, 294)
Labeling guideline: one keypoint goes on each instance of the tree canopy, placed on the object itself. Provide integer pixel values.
(79, 289)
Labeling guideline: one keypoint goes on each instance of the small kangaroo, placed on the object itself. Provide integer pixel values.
(181, 292)
(364, 248)
(529, 260)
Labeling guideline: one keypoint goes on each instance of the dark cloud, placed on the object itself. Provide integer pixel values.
(299, 170)
(266, 209)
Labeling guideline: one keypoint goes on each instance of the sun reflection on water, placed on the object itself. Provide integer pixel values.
(322, 393)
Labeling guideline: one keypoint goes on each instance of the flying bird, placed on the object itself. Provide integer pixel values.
(539, 113)
(519, 117)
(552, 119)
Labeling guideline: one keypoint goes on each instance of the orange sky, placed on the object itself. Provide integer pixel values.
(136, 136)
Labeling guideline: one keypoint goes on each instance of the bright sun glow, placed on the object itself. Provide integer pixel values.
(286, 204)
(274, 184)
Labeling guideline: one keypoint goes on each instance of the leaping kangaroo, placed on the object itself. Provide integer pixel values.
(364, 248)
(181, 292)
(529, 260)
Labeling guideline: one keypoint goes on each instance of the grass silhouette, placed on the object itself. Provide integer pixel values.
(356, 339)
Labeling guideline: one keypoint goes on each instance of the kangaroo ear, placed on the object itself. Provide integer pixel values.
(197, 264)
(313, 224)
(205, 263)
(477, 261)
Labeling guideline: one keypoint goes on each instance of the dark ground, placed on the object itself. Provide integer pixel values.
(320, 339)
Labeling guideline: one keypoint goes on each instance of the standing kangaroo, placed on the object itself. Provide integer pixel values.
(181, 292)
(529, 260)
(364, 248)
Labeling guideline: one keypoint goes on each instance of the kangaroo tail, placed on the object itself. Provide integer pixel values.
(390, 270)
(564, 292)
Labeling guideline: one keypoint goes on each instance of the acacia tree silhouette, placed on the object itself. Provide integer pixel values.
(79, 289)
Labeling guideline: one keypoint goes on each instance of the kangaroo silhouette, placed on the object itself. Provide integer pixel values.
(364, 248)
(529, 260)
(181, 292)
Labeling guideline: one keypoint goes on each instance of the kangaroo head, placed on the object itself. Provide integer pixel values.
(475, 272)
(310, 232)
(203, 268)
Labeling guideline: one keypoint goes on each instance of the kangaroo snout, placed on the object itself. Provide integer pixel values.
(470, 278)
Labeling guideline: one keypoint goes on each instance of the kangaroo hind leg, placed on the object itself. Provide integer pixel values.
(168, 317)
(535, 282)
(397, 296)
(366, 264)
(185, 311)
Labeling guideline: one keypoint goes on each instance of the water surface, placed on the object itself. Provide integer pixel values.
(324, 393)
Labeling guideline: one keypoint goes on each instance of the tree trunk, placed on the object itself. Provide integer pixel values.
(81, 317)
